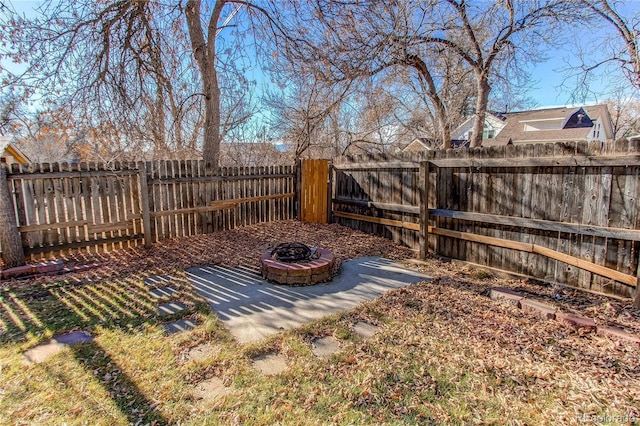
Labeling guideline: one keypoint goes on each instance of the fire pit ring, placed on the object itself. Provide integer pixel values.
(314, 268)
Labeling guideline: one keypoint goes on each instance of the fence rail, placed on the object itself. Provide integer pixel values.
(564, 212)
(62, 207)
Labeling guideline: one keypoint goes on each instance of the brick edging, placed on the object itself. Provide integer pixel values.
(54, 267)
(546, 311)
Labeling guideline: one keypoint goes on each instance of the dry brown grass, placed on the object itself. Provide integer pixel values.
(444, 354)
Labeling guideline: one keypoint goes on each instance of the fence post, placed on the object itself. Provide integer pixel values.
(636, 296)
(423, 184)
(144, 200)
(10, 241)
(297, 204)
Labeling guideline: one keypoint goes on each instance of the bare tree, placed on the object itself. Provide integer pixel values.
(121, 65)
(623, 48)
(488, 36)
(625, 116)
(358, 41)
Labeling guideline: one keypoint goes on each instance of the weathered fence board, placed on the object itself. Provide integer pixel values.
(62, 207)
(576, 204)
(387, 193)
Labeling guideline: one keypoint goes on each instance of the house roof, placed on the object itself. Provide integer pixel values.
(6, 147)
(497, 118)
(514, 129)
(418, 144)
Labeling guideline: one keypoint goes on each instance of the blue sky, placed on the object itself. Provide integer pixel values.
(547, 76)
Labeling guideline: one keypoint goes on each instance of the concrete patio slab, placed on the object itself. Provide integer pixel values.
(157, 280)
(252, 309)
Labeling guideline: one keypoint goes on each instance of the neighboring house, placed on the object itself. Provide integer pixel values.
(586, 123)
(493, 125)
(249, 154)
(9, 153)
(418, 145)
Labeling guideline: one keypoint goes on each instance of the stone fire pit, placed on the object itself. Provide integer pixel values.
(303, 272)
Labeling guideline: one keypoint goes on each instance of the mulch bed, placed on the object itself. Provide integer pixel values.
(243, 246)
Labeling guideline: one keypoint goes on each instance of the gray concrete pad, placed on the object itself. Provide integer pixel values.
(202, 352)
(364, 329)
(42, 352)
(156, 280)
(252, 309)
(210, 389)
(325, 346)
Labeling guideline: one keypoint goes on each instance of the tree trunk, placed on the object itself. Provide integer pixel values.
(10, 241)
(204, 51)
(432, 92)
(211, 145)
(481, 109)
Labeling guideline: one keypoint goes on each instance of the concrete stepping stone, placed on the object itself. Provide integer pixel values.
(180, 325)
(270, 364)
(157, 280)
(202, 352)
(364, 329)
(171, 308)
(162, 292)
(42, 352)
(210, 389)
(325, 346)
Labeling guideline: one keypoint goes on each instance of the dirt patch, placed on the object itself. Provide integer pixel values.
(210, 389)
(202, 352)
(270, 364)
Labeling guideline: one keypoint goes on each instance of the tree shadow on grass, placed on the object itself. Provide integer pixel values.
(30, 314)
(123, 391)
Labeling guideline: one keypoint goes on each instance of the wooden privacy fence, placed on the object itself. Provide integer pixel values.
(62, 207)
(565, 212)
